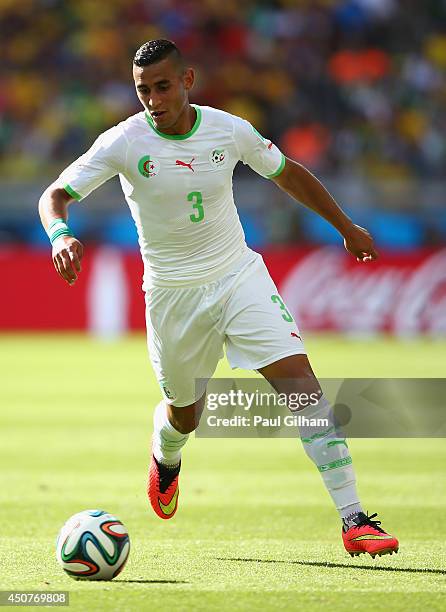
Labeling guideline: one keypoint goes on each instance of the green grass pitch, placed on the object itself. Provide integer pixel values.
(255, 528)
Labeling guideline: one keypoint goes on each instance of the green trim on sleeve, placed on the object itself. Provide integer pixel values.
(177, 136)
(74, 194)
(279, 169)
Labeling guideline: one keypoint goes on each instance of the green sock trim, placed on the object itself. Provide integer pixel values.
(334, 442)
(318, 435)
(335, 464)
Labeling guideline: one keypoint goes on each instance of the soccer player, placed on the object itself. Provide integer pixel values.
(204, 287)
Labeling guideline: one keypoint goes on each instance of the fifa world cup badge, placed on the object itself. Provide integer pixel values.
(168, 392)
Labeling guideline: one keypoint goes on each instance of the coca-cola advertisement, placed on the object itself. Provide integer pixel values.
(400, 293)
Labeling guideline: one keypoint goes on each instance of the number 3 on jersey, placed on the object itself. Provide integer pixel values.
(286, 316)
(197, 203)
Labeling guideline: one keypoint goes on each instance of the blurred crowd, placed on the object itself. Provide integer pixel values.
(353, 89)
(341, 85)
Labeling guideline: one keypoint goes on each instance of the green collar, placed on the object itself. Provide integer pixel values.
(177, 136)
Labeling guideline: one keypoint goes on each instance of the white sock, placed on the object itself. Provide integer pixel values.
(167, 442)
(327, 448)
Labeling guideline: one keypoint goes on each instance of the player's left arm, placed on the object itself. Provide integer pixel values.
(302, 185)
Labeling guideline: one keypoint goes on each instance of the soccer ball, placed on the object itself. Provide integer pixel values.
(93, 545)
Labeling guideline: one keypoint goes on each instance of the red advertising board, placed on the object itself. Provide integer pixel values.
(403, 293)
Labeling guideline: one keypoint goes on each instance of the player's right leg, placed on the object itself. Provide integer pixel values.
(171, 428)
(185, 347)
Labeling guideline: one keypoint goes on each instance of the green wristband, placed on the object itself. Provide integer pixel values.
(54, 222)
(59, 233)
(57, 229)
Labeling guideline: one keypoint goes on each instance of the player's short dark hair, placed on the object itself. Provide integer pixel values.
(156, 50)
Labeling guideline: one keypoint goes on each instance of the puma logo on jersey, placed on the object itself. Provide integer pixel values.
(296, 335)
(182, 163)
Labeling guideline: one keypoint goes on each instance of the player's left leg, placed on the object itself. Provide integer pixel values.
(328, 449)
(261, 335)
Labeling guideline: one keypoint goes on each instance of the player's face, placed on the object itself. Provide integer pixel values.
(162, 89)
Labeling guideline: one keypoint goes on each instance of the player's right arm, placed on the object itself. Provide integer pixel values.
(67, 251)
(97, 165)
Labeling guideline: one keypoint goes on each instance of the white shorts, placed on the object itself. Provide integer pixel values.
(188, 326)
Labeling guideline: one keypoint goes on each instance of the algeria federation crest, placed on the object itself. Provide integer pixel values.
(218, 157)
(148, 166)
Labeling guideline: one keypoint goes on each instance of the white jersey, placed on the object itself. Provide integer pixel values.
(179, 190)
